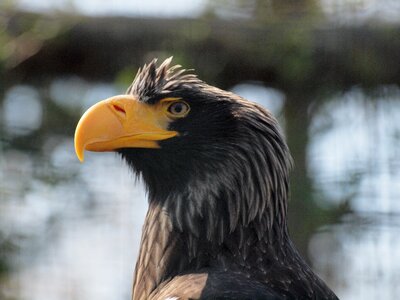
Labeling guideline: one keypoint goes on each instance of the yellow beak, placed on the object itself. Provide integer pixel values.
(121, 122)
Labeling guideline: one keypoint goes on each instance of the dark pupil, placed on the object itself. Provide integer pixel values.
(177, 108)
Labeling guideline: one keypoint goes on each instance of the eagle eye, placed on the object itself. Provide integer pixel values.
(178, 109)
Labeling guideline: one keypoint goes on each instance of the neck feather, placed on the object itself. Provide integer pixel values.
(230, 214)
(179, 237)
(156, 247)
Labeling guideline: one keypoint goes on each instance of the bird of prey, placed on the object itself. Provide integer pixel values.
(216, 168)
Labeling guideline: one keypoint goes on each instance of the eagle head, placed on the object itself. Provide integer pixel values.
(195, 145)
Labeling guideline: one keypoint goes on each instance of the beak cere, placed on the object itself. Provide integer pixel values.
(121, 122)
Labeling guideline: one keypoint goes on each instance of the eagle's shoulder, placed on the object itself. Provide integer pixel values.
(182, 287)
(214, 286)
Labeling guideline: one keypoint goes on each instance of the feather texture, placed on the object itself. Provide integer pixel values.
(217, 199)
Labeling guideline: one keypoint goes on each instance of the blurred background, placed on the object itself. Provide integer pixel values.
(328, 69)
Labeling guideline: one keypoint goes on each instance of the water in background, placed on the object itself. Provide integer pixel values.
(72, 231)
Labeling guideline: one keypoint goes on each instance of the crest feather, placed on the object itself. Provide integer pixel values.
(152, 81)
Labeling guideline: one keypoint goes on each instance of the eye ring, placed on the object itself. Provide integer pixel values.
(178, 109)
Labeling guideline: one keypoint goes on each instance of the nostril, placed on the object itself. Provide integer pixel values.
(119, 109)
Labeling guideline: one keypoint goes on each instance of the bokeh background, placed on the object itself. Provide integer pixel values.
(328, 69)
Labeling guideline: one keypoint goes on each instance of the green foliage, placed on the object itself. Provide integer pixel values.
(23, 34)
(267, 12)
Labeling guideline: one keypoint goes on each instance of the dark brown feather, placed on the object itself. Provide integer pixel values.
(218, 200)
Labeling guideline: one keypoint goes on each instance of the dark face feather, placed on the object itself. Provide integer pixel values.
(229, 157)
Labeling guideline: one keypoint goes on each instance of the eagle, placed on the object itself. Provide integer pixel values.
(216, 169)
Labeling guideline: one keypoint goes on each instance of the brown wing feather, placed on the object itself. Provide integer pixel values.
(183, 287)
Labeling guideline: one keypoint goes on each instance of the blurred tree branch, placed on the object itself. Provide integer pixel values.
(285, 55)
(23, 35)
